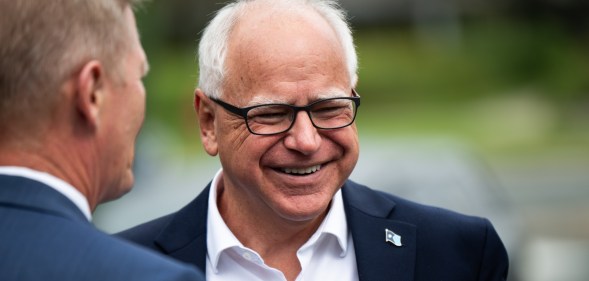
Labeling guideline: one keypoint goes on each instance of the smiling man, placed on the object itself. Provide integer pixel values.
(276, 102)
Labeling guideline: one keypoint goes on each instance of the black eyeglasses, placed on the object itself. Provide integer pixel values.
(276, 118)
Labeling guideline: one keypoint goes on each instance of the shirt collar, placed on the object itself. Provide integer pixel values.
(58, 184)
(220, 237)
(335, 223)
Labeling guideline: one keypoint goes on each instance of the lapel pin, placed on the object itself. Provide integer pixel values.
(393, 238)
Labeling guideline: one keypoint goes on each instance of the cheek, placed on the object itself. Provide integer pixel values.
(244, 151)
(233, 137)
(240, 149)
(137, 102)
(241, 161)
(346, 138)
(141, 114)
(140, 95)
(131, 114)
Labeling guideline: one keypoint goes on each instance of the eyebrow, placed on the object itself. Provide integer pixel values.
(331, 93)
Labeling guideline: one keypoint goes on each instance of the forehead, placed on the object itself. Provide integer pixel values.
(284, 51)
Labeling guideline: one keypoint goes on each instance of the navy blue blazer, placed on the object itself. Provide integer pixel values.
(44, 236)
(437, 244)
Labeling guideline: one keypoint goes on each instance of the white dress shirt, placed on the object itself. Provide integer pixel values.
(56, 183)
(327, 256)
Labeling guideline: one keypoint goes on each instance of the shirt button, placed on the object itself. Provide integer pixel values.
(247, 256)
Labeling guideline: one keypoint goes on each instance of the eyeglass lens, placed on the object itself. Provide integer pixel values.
(326, 114)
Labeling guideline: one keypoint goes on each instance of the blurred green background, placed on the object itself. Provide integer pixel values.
(504, 80)
(508, 80)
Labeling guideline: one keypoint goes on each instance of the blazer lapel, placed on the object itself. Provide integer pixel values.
(369, 215)
(185, 237)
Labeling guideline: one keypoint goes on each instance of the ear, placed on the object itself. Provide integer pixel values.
(206, 119)
(89, 94)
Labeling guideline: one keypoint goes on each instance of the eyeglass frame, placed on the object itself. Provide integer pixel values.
(242, 111)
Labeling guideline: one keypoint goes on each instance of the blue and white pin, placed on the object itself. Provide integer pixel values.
(393, 238)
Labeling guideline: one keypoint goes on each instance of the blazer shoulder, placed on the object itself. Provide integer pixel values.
(431, 218)
(468, 243)
(145, 233)
(85, 253)
(138, 263)
(172, 231)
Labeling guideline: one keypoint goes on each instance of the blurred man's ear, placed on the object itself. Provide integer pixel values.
(206, 119)
(89, 92)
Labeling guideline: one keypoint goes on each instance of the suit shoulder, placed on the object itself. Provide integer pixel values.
(176, 229)
(135, 262)
(84, 253)
(413, 212)
(147, 264)
(472, 238)
(144, 234)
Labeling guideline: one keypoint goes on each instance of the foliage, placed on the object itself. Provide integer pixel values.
(498, 85)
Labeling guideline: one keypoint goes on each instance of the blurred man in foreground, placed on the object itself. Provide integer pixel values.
(71, 104)
(276, 101)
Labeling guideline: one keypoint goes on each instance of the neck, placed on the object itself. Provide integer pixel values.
(274, 238)
(57, 160)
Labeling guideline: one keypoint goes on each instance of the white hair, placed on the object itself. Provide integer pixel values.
(212, 50)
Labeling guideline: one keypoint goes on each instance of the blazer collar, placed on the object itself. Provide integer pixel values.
(185, 236)
(369, 215)
(34, 195)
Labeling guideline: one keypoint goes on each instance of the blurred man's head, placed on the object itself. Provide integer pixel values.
(71, 93)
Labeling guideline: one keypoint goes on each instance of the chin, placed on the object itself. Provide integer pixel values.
(123, 187)
(127, 184)
(302, 211)
(303, 217)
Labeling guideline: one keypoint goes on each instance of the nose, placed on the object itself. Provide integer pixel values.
(303, 136)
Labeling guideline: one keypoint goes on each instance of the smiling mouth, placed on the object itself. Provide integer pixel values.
(301, 171)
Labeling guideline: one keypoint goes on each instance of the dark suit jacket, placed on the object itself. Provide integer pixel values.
(437, 244)
(44, 236)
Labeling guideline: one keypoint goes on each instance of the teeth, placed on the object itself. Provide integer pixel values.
(302, 171)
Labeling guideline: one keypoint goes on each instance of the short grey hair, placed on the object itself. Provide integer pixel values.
(212, 50)
(46, 42)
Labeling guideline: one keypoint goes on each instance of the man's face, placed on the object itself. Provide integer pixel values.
(298, 61)
(124, 112)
